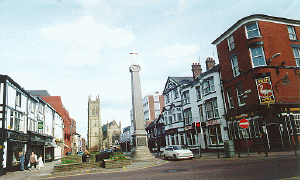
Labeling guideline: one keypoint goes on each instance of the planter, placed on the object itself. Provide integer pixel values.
(111, 164)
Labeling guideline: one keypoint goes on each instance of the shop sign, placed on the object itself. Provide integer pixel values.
(212, 122)
(265, 91)
(40, 125)
(188, 128)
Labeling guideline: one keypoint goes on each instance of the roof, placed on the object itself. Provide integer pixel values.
(38, 92)
(174, 82)
(183, 80)
(254, 17)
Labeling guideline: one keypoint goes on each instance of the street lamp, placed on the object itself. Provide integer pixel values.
(274, 56)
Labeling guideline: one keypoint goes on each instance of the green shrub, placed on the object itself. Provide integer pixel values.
(68, 161)
(118, 156)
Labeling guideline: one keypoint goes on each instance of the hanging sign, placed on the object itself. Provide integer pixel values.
(265, 91)
(40, 125)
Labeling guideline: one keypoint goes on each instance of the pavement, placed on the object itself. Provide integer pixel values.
(48, 171)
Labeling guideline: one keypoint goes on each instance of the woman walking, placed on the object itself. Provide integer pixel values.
(41, 163)
(22, 161)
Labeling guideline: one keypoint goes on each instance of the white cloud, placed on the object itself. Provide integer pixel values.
(178, 51)
(81, 58)
(88, 34)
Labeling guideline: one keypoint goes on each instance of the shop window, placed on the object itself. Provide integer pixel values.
(215, 135)
(297, 122)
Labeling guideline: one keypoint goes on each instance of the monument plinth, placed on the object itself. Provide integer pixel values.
(141, 151)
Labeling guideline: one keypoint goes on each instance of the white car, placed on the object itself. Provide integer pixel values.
(177, 152)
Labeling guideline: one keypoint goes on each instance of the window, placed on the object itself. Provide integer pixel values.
(187, 116)
(211, 108)
(215, 134)
(297, 56)
(297, 122)
(175, 93)
(230, 100)
(230, 41)
(235, 66)
(185, 97)
(167, 98)
(198, 93)
(208, 86)
(18, 99)
(179, 118)
(252, 30)
(292, 33)
(201, 113)
(240, 94)
(257, 56)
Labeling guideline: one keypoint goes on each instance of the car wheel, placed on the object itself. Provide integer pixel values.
(165, 157)
(174, 157)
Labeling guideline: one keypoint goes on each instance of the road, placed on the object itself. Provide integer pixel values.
(233, 168)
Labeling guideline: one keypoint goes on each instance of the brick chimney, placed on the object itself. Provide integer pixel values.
(196, 68)
(210, 63)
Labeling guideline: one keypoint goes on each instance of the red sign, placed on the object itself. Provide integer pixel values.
(244, 123)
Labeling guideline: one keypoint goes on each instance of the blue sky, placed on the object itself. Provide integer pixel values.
(74, 48)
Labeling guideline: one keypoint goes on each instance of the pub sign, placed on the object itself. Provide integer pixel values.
(265, 91)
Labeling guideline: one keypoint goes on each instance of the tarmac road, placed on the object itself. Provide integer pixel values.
(233, 168)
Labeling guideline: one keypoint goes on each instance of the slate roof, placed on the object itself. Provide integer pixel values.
(40, 93)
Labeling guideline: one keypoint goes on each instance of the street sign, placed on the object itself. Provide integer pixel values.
(244, 123)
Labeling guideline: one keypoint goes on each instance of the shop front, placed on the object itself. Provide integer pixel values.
(277, 126)
(36, 143)
(16, 143)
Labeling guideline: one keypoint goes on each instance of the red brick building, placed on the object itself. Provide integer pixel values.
(56, 103)
(259, 65)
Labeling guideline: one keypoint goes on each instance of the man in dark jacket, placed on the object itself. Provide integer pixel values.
(27, 157)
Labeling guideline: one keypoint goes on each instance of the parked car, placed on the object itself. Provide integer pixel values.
(177, 152)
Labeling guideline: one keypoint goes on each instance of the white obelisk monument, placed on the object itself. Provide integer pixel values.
(141, 151)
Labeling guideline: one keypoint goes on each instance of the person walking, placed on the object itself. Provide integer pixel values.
(41, 163)
(27, 157)
(33, 160)
(22, 160)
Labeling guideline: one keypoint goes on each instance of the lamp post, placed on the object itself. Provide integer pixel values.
(274, 56)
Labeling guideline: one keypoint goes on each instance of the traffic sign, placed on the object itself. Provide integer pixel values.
(244, 123)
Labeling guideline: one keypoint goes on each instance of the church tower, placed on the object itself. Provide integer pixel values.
(95, 138)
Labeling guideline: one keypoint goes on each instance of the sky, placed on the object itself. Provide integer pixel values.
(77, 48)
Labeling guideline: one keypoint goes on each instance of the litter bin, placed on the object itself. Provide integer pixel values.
(229, 148)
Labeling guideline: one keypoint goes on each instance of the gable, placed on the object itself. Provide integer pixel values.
(170, 85)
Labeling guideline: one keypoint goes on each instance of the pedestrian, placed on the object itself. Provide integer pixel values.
(85, 156)
(33, 160)
(40, 161)
(27, 157)
(22, 161)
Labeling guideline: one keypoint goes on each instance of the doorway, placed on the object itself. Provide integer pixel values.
(274, 136)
